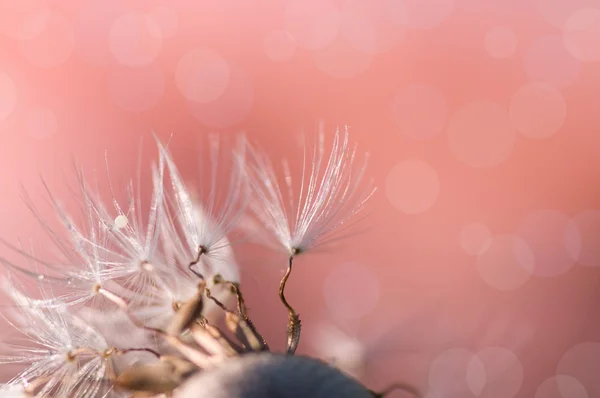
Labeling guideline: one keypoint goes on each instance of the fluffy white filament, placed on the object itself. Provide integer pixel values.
(62, 351)
(331, 192)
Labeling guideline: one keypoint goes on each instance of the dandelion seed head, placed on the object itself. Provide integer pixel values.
(136, 283)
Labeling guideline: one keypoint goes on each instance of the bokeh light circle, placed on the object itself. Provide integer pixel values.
(500, 41)
(412, 186)
(547, 60)
(40, 122)
(507, 264)
(344, 352)
(561, 386)
(476, 376)
(232, 107)
(313, 24)
(582, 34)
(475, 238)
(24, 19)
(557, 12)
(420, 111)
(166, 19)
(480, 134)
(340, 291)
(538, 110)
(341, 60)
(53, 46)
(358, 30)
(420, 14)
(93, 23)
(369, 27)
(582, 363)
(135, 39)
(279, 46)
(588, 225)
(136, 89)
(202, 75)
(554, 240)
(8, 96)
(503, 373)
(448, 372)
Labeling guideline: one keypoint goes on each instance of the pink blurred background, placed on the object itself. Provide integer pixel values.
(478, 272)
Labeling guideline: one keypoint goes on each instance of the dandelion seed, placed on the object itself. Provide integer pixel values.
(134, 256)
(197, 224)
(200, 227)
(330, 195)
(81, 261)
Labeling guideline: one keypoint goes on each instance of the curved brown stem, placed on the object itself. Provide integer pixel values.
(201, 251)
(294, 324)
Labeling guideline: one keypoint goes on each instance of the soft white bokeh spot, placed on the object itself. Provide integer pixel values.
(475, 238)
(279, 46)
(135, 39)
(420, 14)
(557, 12)
(341, 60)
(500, 41)
(547, 60)
(588, 225)
(340, 291)
(480, 134)
(166, 19)
(561, 386)
(582, 363)
(230, 108)
(412, 186)
(369, 27)
(357, 30)
(136, 89)
(202, 75)
(554, 240)
(53, 46)
(582, 34)
(420, 111)
(503, 373)
(313, 24)
(24, 19)
(8, 96)
(341, 350)
(448, 372)
(538, 110)
(476, 376)
(507, 264)
(92, 28)
(40, 122)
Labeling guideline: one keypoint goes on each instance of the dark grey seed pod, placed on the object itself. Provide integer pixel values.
(268, 375)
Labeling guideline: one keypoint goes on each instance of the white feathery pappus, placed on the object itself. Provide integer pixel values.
(149, 303)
